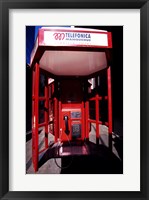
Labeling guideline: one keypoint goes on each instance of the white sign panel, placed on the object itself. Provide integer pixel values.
(58, 38)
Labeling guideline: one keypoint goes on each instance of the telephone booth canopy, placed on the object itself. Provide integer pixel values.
(70, 60)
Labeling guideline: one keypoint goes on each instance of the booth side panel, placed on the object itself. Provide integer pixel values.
(35, 114)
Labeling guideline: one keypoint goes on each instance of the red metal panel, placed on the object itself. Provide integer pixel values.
(85, 46)
(97, 97)
(109, 39)
(40, 36)
(92, 120)
(42, 150)
(75, 30)
(71, 105)
(100, 122)
(35, 118)
(42, 98)
(41, 125)
(106, 123)
(92, 99)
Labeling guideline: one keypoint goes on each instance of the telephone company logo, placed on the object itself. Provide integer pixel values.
(72, 36)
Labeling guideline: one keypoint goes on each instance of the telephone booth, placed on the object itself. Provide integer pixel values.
(68, 65)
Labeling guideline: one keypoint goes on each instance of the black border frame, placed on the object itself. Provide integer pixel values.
(5, 5)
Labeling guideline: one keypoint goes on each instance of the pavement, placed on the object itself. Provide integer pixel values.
(100, 159)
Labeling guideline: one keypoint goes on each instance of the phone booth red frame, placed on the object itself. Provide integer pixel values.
(66, 114)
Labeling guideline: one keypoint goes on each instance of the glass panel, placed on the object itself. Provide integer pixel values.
(71, 91)
(41, 112)
(33, 115)
(92, 111)
(50, 110)
(98, 80)
(92, 82)
(51, 125)
(33, 82)
(41, 138)
(92, 133)
(42, 83)
(103, 111)
(102, 87)
(50, 90)
(51, 128)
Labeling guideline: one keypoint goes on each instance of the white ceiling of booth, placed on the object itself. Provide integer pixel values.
(73, 63)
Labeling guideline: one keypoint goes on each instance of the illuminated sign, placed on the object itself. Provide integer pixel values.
(66, 38)
(72, 36)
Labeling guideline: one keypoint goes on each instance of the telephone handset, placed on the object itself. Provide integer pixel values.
(66, 125)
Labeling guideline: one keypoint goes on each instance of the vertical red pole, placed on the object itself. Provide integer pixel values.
(87, 117)
(97, 118)
(60, 118)
(83, 122)
(56, 119)
(97, 111)
(35, 118)
(109, 106)
(46, 112)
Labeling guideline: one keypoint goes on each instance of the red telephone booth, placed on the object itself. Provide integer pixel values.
(66, 65)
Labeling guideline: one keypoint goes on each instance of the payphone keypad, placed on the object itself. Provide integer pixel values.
(76, 124)
(76, 130)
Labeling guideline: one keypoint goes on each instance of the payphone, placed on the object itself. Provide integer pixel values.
(70, 110)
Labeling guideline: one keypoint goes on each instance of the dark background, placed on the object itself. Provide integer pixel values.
(116, 72)
(117, 75)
